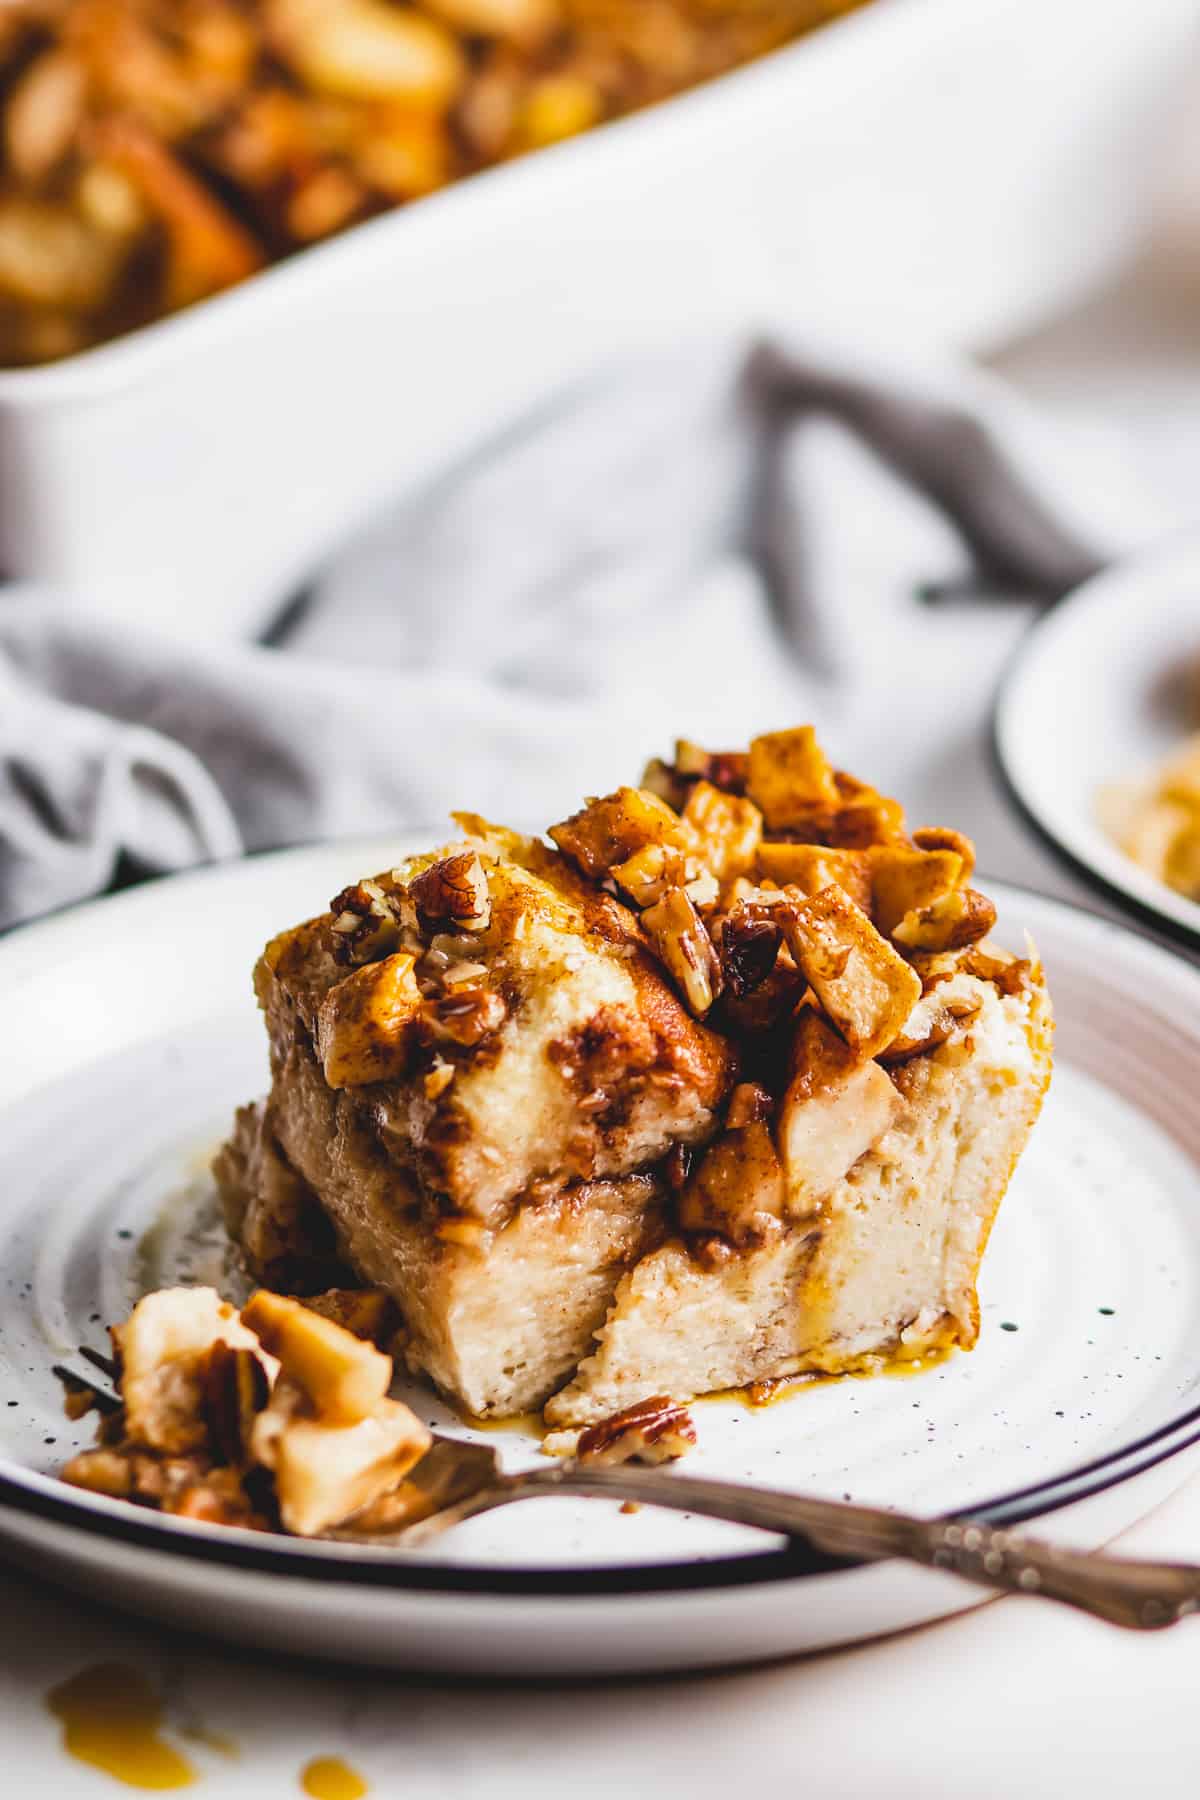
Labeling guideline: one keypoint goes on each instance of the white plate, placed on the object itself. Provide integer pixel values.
(129, 1036)
(1101, 689)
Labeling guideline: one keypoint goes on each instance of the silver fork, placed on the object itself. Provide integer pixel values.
(456, 1481)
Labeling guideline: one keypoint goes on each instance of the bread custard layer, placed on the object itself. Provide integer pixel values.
(723, 1083)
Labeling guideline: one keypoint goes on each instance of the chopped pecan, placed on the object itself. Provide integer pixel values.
(652, 1431)
(1007, 974)
(749, 947)
(101, 1472)
(679, 936)
(453, 892)
(948, 923)
(464, 1017)
(365, 923)
(651, 872)
(928, 1026)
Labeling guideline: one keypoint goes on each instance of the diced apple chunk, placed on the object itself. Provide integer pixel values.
(903, 881)
(611, 830)
(789, 776)
(163, 1346)
(729, 829)
(738, 1188)
(343, 1376)
(365, 1024)
(812, 867)
(863, 984)
(834, 1111)
(324, 1473)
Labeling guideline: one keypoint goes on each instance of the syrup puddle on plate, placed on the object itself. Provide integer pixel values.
(329, 1778)
(111, 1717)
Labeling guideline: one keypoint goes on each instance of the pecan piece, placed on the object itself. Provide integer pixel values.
(365, 924)
(453, 892)
(948, 923)
(464, 1017)
(750, 941)
(651, 1431)
(679, 936)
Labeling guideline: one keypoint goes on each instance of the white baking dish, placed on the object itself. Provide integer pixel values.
(960, 166)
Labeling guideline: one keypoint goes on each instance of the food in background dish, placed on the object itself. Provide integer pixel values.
(1156, 821)
(724, 1087)
(157, 151)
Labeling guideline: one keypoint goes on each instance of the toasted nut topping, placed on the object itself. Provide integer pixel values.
(343, 1377)
(928, 1026)
(438, 1079)
(652, 1431)
(366, 1026)
(749, 941)
(101, 1472)
(948, 923)
(678, 934)
(453, 892)
(465, 1017)
(651, 872)
(365, 925)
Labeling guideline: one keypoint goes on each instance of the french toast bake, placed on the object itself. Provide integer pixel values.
(723, 1084)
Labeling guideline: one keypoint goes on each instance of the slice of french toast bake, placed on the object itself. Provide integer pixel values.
(725, 1086)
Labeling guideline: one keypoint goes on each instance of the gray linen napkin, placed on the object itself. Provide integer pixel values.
(710, 539)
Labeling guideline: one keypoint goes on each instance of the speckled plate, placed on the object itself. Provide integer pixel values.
(1102, 688)
(129, 1036)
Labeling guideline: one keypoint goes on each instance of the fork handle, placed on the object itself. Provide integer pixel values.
(1143, 1596)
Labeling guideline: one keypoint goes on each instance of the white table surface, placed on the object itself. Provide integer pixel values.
(1014, 1699)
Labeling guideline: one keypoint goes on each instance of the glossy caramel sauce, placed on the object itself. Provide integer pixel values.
(899, 1364)
(111, 1717)
(530, 1424)
(329, 1778)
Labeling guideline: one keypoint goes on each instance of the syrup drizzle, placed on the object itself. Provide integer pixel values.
(110, 1718)
(329, 1778)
